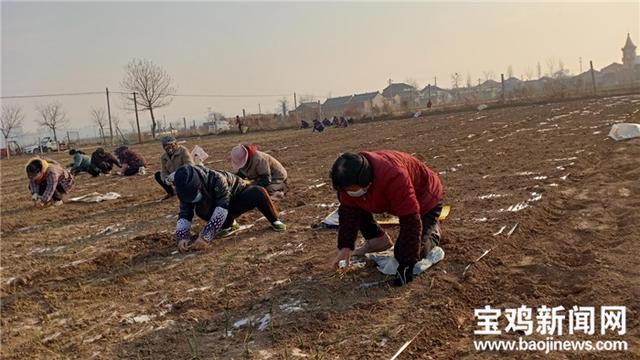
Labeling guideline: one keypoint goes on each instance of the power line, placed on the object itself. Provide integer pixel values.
(127, 93)
(52, 95)
(233, 96)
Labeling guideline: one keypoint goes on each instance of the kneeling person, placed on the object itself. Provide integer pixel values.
(132, 162)
(260, 168)
(392, 182)
(49, 182)
(82, 162)
(174, 156)
(104, 161)
(217, 197)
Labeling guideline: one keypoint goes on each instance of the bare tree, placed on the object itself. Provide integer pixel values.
(455, 80)
(98, 116)
(152, 84)
(528, 75)
(283, 105)
(10, 119)
(413, 83)
(551, 67)
(509, 72)
(488, 75)
(539, 70)
(52, 116)
(562, 71)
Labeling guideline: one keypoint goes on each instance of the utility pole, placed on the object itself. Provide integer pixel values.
(259, 109)
(184, 120)
(593, 78)
(295, 101)
(580, 60)
(109, 115)
(435, 81)
(135, 107)
(502, 80)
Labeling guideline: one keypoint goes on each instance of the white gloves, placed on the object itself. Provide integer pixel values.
(169, 179)
(35, 197)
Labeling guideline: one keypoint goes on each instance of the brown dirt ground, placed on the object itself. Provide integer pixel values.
(70, 291)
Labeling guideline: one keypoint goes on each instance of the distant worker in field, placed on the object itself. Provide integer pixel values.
(317, 126)
(304, 124)
(343, 122)
(217, 197)
(391, 182)
(326, 122)
(104, 161)
(260, 168)
(173, 157)
(132, 162)
(429, 104)
(81, 162)
(49, 182)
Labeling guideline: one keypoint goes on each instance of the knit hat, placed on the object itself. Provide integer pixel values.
(168, 139)
(187, 182)
(239, 157)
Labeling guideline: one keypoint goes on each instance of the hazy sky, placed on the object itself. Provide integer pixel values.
(279, 48)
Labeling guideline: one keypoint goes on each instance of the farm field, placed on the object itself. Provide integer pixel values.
(106, 281)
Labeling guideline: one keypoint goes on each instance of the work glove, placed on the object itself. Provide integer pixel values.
(169, 179)
(404, 274)
(35, 197)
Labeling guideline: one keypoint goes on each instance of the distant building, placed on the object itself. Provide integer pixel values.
(436, 94)
(306, 111)
(353, 105)
(627, 73)
(403, 96)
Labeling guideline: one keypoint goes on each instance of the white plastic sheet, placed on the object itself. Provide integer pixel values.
(96, 197)
(387, 263)
(624, 131)
(199, 155)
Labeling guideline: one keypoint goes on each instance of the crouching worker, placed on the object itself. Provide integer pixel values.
(392, 182)
(217, 197)
(49, 182)
(82, 162)
(104, 161)
(174, 156)
(260, 168)
(131, 161)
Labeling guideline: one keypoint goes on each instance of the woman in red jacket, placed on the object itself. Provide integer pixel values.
(391, 182)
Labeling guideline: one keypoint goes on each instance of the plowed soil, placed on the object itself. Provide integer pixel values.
(106, 281)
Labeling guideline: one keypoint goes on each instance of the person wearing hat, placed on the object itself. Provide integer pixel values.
(104, 161)
(173, 157)
(82, 162)
(217, 197)
(391, 182)
(260, 168)
(49, 182)
(131, 161)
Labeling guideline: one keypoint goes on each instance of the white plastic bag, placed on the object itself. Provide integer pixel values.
(624, 131)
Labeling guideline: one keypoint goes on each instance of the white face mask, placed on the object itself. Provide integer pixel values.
(358, 193)
(197, 198)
